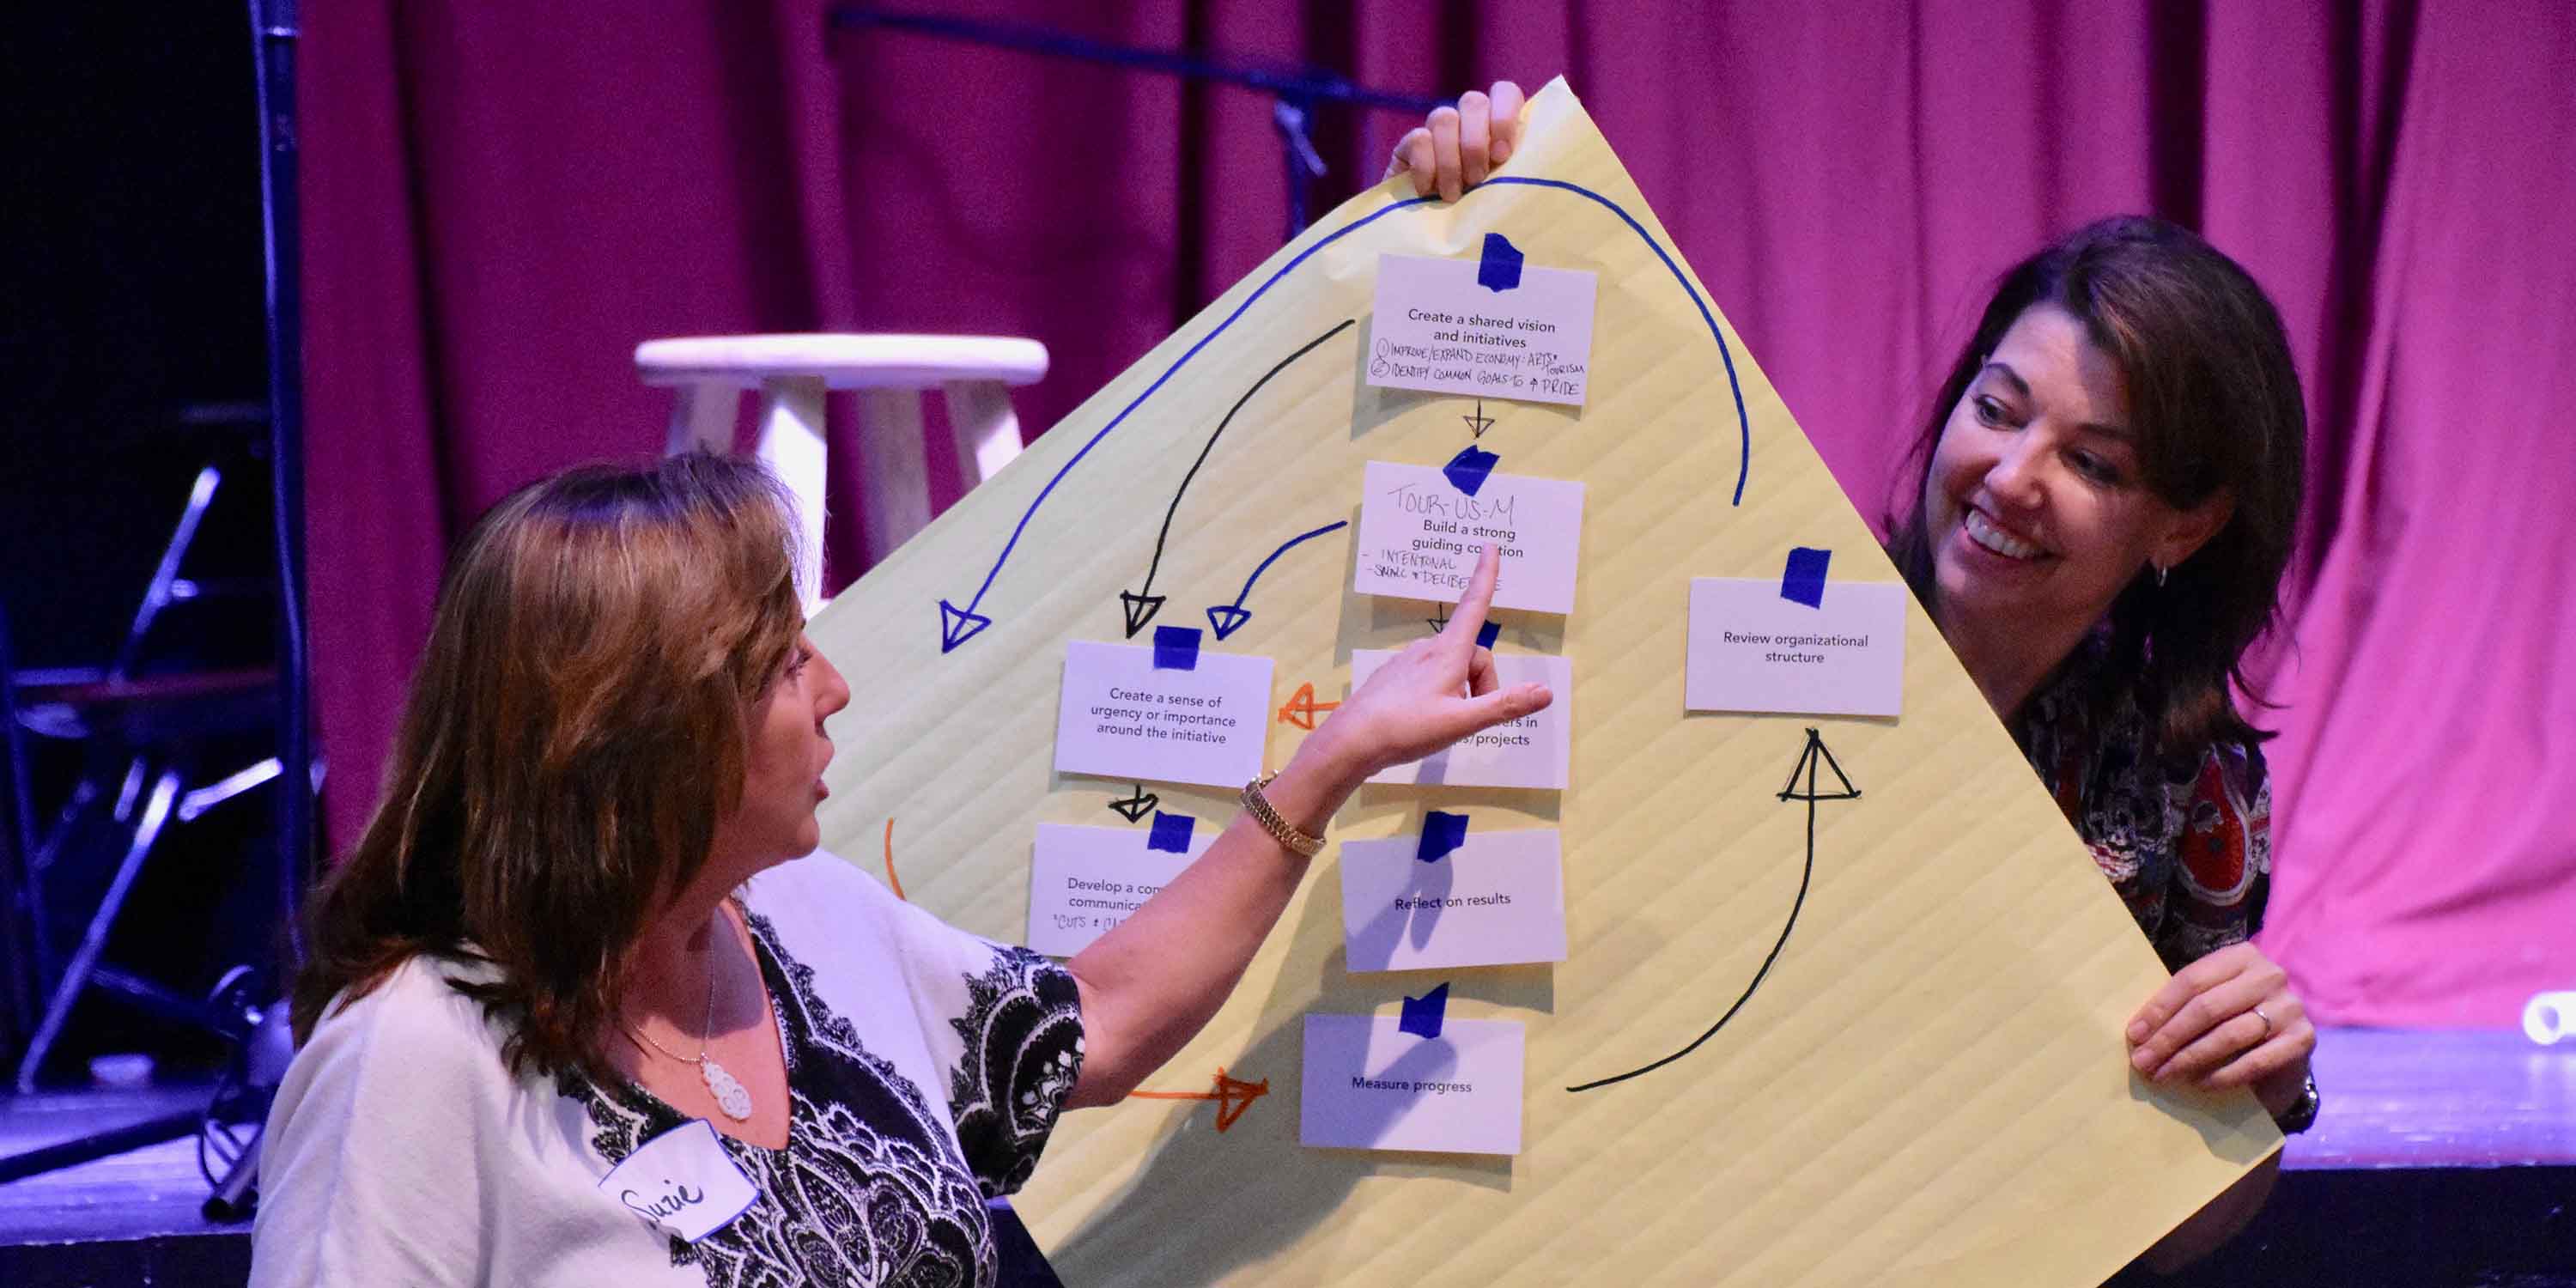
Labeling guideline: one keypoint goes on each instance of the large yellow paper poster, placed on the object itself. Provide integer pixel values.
(1926, 1087)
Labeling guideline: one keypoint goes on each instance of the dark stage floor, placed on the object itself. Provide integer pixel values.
(130, 1219)
(2442, 1159)
(2409, 1098)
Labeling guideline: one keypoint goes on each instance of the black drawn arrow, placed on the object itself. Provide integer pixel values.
(1812, 760)
(1141, 604)
(1136, 806)
(1480, 422)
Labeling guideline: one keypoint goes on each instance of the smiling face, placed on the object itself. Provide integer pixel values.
(2034, 506)
(783, 764)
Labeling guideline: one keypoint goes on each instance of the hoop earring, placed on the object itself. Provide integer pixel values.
(2161, 571)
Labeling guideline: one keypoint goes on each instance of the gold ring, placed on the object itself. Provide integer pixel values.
(2267, 1023)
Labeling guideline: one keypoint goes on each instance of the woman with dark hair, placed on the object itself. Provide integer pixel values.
(581, 1009)
(2110, 484)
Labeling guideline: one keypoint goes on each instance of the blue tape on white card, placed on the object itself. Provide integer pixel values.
(1441, 833)
(1488, 633)
(1500, 269)
(1176, 648)
(1467, 470)
(1804, 580)
(1171, 832)
(1423, 1015)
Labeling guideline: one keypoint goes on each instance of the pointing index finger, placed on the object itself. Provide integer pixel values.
(1469, 617)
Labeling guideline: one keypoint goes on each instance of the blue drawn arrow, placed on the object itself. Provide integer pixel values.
(1229, 618)
(958, 625)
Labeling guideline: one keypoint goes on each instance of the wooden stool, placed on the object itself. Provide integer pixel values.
(793, 372)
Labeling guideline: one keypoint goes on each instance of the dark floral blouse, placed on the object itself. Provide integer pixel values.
(2187, 843)
(869, 1192)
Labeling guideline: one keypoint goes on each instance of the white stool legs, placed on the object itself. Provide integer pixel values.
(794, 373)
(791, 445)
(897, 476)
(987, 430)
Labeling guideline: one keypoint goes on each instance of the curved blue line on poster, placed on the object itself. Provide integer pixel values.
(958, 625)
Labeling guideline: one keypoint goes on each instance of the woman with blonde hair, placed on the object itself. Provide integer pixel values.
(581, 1008)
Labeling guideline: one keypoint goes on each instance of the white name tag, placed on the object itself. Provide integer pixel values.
(682, 1181)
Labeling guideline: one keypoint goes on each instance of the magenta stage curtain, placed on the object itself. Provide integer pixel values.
(501, 200)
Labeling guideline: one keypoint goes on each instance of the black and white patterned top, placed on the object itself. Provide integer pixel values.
(2185, 839)
(925, 1068)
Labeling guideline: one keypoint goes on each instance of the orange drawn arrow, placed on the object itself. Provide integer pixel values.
(891, 878)
(1232, 1096)
(1302, 707)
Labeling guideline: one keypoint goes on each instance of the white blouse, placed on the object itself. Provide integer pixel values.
(925, 1068)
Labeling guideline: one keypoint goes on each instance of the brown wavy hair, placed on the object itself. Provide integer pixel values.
(2214, 399)
(577, 727)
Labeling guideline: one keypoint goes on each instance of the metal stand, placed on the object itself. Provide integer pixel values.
(1298, 91)
(76, 975)
(266, 1046)
(18, 918)
(265, 1053)
(236, 1196)
(262, 1049)
(274, 31)
(150, 793)
(275, 27)
(73, 1153)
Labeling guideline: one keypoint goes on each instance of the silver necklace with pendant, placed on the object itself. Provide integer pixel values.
(731, 1096)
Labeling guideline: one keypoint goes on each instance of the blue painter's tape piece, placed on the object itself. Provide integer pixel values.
(1422, 1015)
(1488, 633)
(1171, 832)
(1500, 270)
(1804, 581)
(1176, 648)
(1467, 470)
(1441, 833)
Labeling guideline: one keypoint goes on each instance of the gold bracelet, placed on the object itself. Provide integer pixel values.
(1280, 830)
